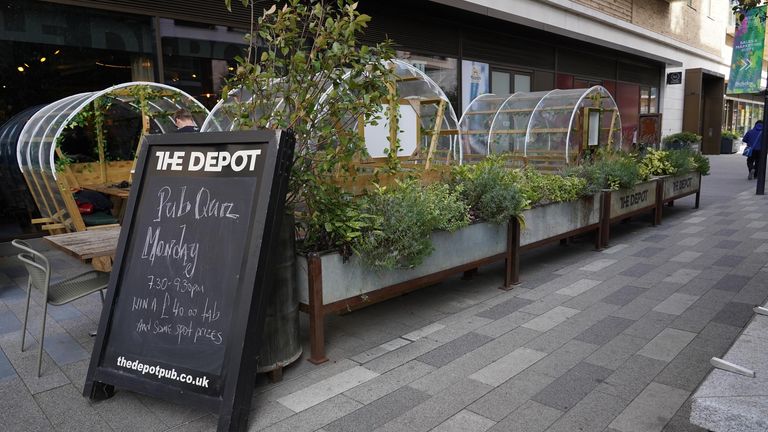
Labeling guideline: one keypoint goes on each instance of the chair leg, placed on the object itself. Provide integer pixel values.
(101, 293)
(26, 314)
(42, 340)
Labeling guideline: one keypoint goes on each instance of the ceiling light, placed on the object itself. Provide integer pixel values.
(194, 76)
(56, 52)
(43, 59)
(20, 68)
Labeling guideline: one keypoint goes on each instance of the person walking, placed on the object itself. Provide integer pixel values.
(754, 140)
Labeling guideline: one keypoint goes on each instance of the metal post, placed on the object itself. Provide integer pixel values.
(764, 150)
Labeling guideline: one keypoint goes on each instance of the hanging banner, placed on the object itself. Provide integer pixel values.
(747, 60)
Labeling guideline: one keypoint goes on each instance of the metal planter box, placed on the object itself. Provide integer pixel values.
(551, 221)
(343, 280)
(625, 203)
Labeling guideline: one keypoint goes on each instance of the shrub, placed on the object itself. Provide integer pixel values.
(490, 190)
(541, 188)
(686, 137)
(407, 215)
(657, 163)
(730, 134)
(609, 171)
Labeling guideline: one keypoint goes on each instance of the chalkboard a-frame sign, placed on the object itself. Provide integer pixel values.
(186, 301)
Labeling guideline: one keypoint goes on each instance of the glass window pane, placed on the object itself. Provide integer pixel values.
(442, 70)
(500, 83)
(522, 83)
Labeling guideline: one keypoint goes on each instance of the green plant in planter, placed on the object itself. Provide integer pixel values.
(542, 188)
(680, 137)
(406, 216)
(657, 163)
(729, 135)
(491, 190)
(608, 170)
(307, 72)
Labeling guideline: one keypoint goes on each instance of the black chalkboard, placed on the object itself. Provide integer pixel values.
(185, 304)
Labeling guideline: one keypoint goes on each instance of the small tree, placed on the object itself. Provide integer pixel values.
(306, 71)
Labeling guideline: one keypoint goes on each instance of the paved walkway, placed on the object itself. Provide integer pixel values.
(610, 341)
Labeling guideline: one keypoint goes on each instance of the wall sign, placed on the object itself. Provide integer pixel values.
(186, 298)
(675, 78)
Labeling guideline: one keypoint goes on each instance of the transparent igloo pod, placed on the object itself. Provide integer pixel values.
(51, 174)
(548, 129)
(427, 120)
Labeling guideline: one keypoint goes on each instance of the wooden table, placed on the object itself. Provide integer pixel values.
(97, 245)
(118, 196)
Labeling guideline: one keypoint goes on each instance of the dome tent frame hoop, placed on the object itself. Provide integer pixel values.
(578, 103)
(38, 143)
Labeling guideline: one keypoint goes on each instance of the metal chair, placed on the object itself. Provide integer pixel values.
(59, 293)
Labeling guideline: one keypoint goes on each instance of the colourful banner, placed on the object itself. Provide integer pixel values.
(747, 60)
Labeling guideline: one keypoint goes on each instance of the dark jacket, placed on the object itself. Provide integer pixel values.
(194, 129)
(753, 138)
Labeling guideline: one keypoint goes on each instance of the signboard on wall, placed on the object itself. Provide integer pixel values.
(747, 59)
(186, 299)
(474, 81)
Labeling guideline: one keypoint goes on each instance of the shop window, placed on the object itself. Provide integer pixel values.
(442, 70)
(649, 100)
(508, 82)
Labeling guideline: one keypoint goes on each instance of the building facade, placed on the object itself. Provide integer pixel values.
(664, 61)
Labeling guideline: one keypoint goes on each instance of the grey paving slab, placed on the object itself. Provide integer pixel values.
(650, 325)
(25, 364)
(389, 382)
(505, 324)
(327, 388)
(651, 410)
(550, 319)
(564, 332)
(316, 417)
(617, 351)
(63, 349)
(530, 417)
(682, 276)
(8, 321)
(686, 256)
(465, 421)
(401, 356)
(578, 287)
(598, 265)
(265, 413)
(694, 319)
(727, 244)
(6, 369)
(624, 295)
(726, 232)
(676, 304)
(638, 270)
(378, 412)
(436, 381)
(681, 421)
(667, 344)
(734, 314)
(503, 309)
(207, 423)
(690, 241)
(732, 283)
(504, 399)
(655, 238)
(648, 252)
(564, 358)
(545, 304)
(508, 366)
(729, 261)
(450, 351)
(438, 409)
(66, 409)
(593, 413)
(567, 390)
(170, 413)
(124, 412)
(688, 369)
(20, 412)
(632, 377)
(605, 330)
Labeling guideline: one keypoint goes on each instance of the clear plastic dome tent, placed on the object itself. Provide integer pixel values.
(548, 129)
(37, 149)
(427, 121)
